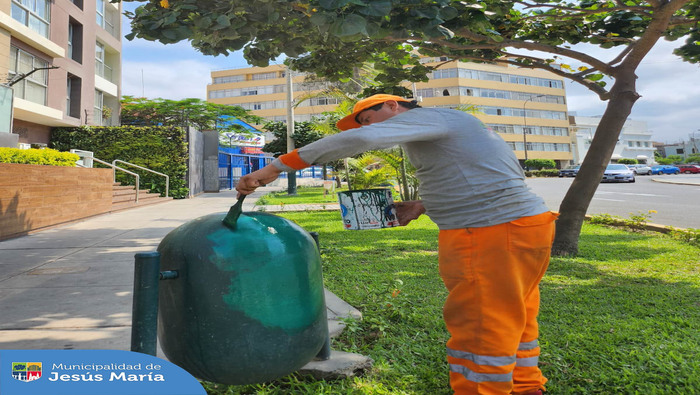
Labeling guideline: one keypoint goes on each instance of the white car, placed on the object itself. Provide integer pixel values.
(618, 173)
(640, 169)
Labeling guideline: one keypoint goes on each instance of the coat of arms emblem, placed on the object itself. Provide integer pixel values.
(26, 371)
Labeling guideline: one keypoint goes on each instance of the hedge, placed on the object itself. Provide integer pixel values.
(542, 173)
(34, 156)
(159, 148)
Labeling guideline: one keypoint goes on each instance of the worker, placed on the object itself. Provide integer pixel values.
(494, 238)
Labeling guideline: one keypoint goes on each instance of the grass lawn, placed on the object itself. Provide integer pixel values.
(304, 195)
(623, 317)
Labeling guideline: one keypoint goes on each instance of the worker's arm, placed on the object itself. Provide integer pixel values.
(249, 182)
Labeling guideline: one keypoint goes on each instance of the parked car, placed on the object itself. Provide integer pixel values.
(665, 169)
(688, 169)
(569, 171)
(617, 172)
(640, 169)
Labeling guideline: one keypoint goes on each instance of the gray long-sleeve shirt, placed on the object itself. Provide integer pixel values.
(469, 176)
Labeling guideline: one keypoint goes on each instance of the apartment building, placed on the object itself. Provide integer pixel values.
(634, 142)
(62, 59)
(526, 107)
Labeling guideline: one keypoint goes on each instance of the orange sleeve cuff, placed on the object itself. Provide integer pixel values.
(293, 160)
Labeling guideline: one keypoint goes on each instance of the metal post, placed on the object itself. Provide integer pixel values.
(324, 353)
(144, 316)
(291, 176)
(525, 128)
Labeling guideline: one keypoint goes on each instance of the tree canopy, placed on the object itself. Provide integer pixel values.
(334, 37)
(203, 115)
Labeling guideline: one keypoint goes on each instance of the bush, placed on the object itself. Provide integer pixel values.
(545, 173)
(159, 148)
(33, 156)
(628, 161)
(540, 164)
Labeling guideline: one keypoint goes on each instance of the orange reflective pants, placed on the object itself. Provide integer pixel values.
(492, 275)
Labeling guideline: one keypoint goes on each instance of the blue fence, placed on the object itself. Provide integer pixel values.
(232, 166)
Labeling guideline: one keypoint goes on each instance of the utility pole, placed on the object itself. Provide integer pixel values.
(525, 129)
(292, 175)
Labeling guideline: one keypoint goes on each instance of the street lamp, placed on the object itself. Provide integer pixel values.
(230, 138)
(525, 127)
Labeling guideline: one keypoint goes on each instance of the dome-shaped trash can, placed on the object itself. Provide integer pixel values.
(248, 304)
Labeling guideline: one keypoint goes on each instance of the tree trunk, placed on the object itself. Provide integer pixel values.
(573, 208)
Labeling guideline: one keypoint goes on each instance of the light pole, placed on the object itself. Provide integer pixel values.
(525, 128)
(230, 138)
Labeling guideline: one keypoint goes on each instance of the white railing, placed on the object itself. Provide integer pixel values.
(167, 178)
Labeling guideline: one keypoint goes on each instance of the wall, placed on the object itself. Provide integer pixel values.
(36, 196)
(195, 169)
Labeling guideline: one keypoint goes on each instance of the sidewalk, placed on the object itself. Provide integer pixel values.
(70, 287)
(680, 179)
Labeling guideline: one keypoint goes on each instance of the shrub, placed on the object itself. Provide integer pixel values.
(161, 149)
(545, 173)
(540, 164)
(628, 161)
(34, 156)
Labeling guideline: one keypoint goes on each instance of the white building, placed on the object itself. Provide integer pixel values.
(634, 142)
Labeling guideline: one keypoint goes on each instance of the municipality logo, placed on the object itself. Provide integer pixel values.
(26, 371)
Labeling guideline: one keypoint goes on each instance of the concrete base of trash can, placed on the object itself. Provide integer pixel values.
(340, 365)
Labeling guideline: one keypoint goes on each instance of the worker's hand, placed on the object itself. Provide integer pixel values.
(259, 178)
(408, 211)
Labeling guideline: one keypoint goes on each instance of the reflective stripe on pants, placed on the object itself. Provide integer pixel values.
(492, 275)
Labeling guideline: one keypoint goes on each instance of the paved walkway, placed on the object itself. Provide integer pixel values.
(70, 287)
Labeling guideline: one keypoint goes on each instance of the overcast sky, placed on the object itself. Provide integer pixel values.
(670, 88)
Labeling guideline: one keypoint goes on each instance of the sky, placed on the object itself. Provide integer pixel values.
(669, 87)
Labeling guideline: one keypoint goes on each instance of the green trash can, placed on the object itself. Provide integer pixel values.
(248, 304)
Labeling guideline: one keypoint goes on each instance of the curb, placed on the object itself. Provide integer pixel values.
(646, 226)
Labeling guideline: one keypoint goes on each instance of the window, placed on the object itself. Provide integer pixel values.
(264, 76)
(75, 41)
(78, 3)
(32, 88)
(101, 69)
(100, 17)
(97, 112)
(230, 78)
(32, 13)
(73, 89)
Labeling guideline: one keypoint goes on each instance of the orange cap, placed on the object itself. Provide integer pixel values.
(349, 121)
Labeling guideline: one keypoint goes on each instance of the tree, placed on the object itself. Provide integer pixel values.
(304, 133)
(139, 111)
(331, 37)
(692, 158)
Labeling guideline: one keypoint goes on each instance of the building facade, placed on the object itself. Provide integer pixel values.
(526, 107)
(634, 142)
(62, 59)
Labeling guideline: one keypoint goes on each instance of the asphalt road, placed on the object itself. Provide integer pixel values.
(675, 205)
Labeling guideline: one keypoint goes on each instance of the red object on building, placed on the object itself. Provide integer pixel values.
(251, 150)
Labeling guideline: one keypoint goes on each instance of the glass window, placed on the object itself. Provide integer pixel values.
(99, 102)
(100, 59)
(32, 13)
(100, 17)
(34, 86)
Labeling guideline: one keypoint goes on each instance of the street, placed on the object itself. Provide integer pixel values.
(675, 205)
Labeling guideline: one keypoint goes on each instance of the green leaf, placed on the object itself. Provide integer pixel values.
(377, 8)
(222, 22)
(202, 22)
(352, 24)
(319, 19)
(448, 13)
